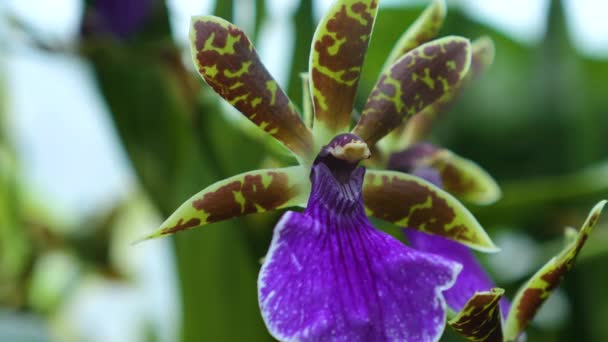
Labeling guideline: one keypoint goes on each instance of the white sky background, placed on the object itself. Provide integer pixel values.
(69, 148)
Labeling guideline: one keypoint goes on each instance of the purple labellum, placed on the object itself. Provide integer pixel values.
(331, 276)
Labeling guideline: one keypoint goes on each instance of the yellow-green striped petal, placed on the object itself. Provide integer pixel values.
(538, 288)
(421, 124)
(409, 201)
(480, 320)
(414, 81)
(250, 192)
(336, 57)
(425, 28)
(228, 62)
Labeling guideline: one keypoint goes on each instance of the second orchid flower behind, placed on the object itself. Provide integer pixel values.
(329, 274)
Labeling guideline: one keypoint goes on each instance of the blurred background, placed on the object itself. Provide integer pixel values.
(105, 129)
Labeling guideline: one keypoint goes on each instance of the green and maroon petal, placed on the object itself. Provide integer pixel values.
(534, 293)
(425, 28)
(408, 201)
(480, 320)
(459, 176)
(336, 57)
(226, 59)
(250, 192)
(421, 124)
(414, 81)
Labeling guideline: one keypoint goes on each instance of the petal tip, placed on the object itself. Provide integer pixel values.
(600, 205)
(441, 8)
(488, 248)
(145, 238)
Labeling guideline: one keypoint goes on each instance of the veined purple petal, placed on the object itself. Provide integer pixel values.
(473, 278)
(331, 276)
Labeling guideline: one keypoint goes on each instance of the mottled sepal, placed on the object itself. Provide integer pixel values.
(536, 290)
(226, 59)
(409, 201)
(337, 53)
(250, 192)
(414, 81)
(459, 176)
(420, 125)
(425, 28)
(480, 319)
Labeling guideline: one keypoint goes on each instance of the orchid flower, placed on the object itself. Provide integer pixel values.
(329, 274)
(483, 314)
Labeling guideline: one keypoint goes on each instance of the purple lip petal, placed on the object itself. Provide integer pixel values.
(331, 276)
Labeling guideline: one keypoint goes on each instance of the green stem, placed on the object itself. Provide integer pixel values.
(590, 182)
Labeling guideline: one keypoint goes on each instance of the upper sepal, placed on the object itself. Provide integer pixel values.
(425, 28)
(409, 201)
(480, 319)
(414, 81)
(420, 125)
(250, 192)
(226, 59)
(461, 177)
(536, 290)
(336, 57)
